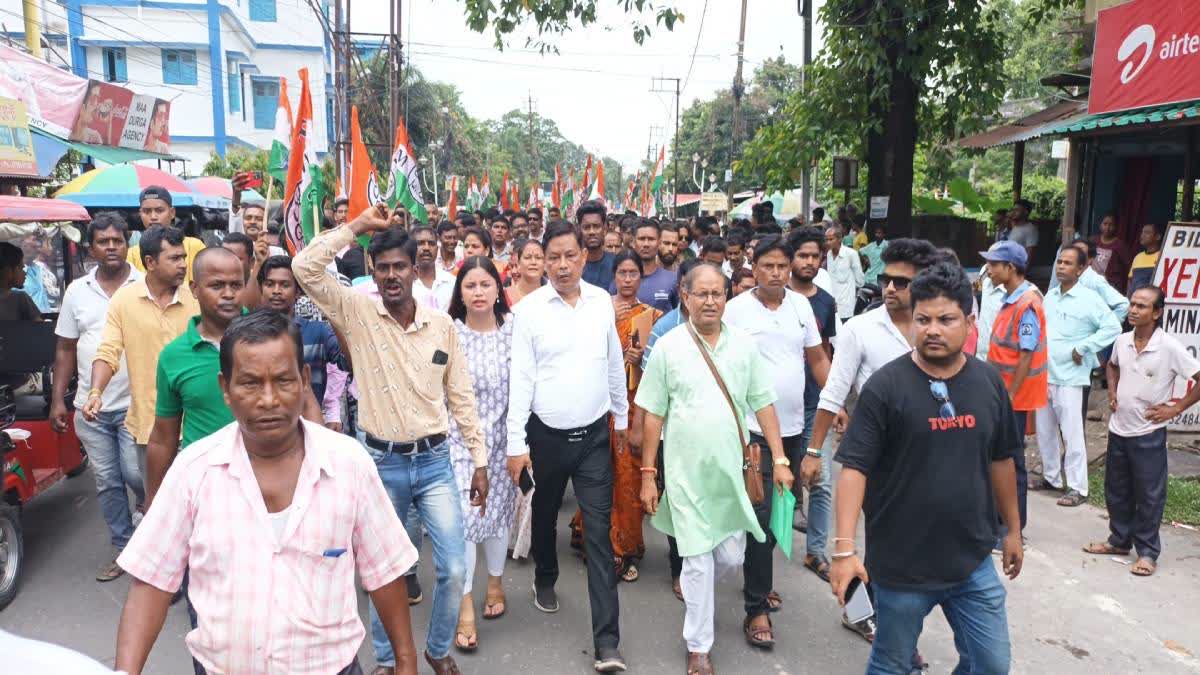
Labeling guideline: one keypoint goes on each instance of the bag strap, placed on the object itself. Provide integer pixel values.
(712, 368)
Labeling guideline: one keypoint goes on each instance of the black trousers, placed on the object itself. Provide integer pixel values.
(758, 569)
(1022, 475)
(584, 458)
(1135, 489)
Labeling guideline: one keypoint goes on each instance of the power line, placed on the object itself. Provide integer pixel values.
(699, 33)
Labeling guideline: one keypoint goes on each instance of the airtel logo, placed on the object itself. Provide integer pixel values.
(1142, 36)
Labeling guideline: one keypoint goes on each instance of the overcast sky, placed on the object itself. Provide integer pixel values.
(603, 58)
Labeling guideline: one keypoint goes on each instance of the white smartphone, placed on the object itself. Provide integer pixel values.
(858, 602)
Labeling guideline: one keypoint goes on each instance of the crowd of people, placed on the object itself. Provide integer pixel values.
(397, 380)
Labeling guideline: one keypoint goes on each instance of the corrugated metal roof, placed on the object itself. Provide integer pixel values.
(1156, 115)
(1027, 128)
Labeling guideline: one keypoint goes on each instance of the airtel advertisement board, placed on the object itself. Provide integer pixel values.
(1147, 53)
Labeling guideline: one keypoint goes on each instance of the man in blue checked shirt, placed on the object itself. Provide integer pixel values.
(1079, 325)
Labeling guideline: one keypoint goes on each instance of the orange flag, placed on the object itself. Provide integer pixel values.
(452, 204)
(504, 203)
(364, 183)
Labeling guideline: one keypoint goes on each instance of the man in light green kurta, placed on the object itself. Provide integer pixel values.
(705, 505)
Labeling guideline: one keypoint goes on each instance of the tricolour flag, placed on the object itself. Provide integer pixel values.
(657, 178)
(452, 203)
(485, 193)
(598, 186)
(277, 162)
(629, 195)
(504, 193)
(515, 201)
(404, 187)
(473, 195)
(304, 189)
(535, 199)
(364, 182)
(585, 188)
(568, 195)
(556, 189)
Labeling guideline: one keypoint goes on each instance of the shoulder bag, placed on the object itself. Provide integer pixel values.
(751, 452)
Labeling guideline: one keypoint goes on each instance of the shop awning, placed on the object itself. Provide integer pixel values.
(1026, 128)
(1173, 112)
(105, 153)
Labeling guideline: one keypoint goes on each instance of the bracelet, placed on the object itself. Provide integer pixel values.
(837, 539)
(840, 556)
(813, 452)
(95, 393)
(649, 469)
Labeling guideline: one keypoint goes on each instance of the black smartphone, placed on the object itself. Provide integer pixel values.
(635, 340)
(525, 481)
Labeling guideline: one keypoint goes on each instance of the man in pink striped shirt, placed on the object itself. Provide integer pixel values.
(273, 516)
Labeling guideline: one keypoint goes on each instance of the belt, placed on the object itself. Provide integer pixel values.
(576, 434)
(404, 447)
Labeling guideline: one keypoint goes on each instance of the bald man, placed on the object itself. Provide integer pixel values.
(189, 403)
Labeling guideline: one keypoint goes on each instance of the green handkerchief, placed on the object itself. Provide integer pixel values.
(782, 508)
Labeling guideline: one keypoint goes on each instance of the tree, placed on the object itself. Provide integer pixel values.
(555, 17)
(891, 73)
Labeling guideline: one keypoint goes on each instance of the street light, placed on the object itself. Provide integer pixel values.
(699, 182)
(424, 162)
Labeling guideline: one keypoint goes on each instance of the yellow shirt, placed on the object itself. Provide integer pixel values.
(191, 246)
(138, 328)
(406, 376)
(861, 240)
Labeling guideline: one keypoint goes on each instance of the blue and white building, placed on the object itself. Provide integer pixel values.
(219, 62)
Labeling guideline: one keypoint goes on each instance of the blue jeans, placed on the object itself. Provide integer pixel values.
(426, 481)
(820, 496)
(114, 459)
(974, 609)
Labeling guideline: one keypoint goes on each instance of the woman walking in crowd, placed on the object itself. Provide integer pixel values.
(530, 263)
(482, 319)
(477, 242)
(634, 321)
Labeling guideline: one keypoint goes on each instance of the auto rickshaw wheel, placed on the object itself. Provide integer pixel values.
(78, 471)
(12, 553)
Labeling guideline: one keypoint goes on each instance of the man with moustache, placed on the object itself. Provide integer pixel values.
(536, 226)
(598, 270)
(449, 251)
(568, 375)
(409, 368)
(928, 458)
(433, 285)
(501, 231)
(156, 207)
(275, 592)
(668, 249)
(657, 282)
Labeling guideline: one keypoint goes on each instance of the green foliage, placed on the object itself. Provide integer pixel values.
(963, 200)
(556, 17)
(1183, 497)
(1048, 194)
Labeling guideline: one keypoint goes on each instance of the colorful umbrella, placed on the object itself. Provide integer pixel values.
(223, 187)
(787, 205)
(32, 209)
(118, 186)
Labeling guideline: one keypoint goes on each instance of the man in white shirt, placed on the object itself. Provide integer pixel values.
(845, 270)
(108, 443)
(433, 286)
(568, 374)
(1141, 379)
(783, 326)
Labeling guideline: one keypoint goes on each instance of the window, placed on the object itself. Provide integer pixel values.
(179, 66)
(266, 100)
(262, 10)
(235, 86)
(113, 61)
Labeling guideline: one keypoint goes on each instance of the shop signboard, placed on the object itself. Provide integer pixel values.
(714, 202)
(16, 146)
(1178, 275)
(115, 116)
(1147, 53)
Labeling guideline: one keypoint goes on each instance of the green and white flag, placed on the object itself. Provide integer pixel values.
(404, 186)
(282, 139)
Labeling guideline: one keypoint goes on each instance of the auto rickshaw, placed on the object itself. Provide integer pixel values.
(33, 456)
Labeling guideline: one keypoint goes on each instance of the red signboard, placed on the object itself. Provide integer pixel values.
(1147, 53)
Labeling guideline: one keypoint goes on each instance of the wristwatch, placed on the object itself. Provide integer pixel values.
(783, 461)
(813, 452)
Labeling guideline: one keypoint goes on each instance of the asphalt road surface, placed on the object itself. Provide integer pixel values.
(1068, 612)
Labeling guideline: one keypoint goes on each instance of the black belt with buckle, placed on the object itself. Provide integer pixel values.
(573, 435)
(405, 447)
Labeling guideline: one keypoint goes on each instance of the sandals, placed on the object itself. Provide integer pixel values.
(699, 664)
(1104, 548)
(774, 601)
(818, 566)
(630, 573)
(466, 639)
(1072, 498)
(1144, 567)
(495, 599)
(763, 638)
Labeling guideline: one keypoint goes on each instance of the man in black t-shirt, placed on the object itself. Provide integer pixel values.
(928, 457)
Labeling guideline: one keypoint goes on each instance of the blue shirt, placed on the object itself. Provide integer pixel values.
(1112, 298)
(1078, 320)
(874, 252)
(1030, 331)
(320, 348)
(661, 327)
(601, 272)
(35, 288)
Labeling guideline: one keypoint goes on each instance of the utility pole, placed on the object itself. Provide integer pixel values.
(655, 132)
(33, 27)
(739, 88)
(657, 86)
(340, 100)
(806, 11)
(533, 152)
(395, 61)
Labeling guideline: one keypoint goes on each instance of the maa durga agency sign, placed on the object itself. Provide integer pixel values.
(1147, 53)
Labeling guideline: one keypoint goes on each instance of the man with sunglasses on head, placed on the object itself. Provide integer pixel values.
(928, 458)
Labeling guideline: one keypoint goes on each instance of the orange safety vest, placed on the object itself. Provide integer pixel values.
(1005, 351)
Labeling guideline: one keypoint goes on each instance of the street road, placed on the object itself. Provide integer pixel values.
(1068, 612)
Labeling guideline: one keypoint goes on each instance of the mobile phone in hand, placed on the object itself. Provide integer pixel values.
(253, 179)
(858, 602)
(525, 481)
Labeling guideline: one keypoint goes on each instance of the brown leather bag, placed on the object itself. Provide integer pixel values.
(751, 452)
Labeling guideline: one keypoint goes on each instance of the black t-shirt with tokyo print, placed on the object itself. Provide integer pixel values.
(930, 510)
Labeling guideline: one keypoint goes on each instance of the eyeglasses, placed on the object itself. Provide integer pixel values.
(941, 394)
(900, 283)
(711, 296)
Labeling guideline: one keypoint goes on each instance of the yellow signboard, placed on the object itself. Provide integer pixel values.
(16, 145)
(714, 202)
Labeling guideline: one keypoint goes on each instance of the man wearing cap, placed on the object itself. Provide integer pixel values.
(1018, 342)
(156, 208)
(1023, 232)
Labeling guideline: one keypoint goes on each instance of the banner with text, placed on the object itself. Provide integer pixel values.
(16, 146)
(1178, 275)
(1147, 53)
(116, 116)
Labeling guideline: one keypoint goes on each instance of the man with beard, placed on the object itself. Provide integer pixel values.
(501, 231)
(536, 223)
(433, 285)
(928, 458)
(658, 283)
(520, 226)
(668, 249)
(409, 368)
(598, 269)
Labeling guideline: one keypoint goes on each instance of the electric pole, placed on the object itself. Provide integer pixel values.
(657, 85)
(739, 88)
(806, 11)
(533, 153)
(395, 61)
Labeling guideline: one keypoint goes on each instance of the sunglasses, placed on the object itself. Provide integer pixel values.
(941, 394)
(900, 283)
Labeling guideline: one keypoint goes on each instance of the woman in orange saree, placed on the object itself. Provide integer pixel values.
(634, 321)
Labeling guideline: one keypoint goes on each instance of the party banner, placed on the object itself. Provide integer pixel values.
(115, 116)
(52, 96)
(16, 147)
